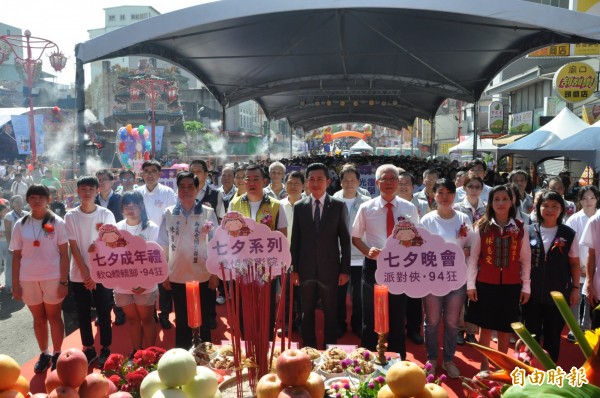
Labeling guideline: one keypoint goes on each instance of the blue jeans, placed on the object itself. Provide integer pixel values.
(449, 307)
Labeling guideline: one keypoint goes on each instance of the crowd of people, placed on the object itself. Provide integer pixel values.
(518, 245)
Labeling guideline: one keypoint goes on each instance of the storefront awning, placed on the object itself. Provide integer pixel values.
(507, 139)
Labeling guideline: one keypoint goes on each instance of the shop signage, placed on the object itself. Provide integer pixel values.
(496, 117)
(575, 82)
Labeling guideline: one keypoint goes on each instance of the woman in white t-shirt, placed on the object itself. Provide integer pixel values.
(588, 202)
(40, 271)
(454, 227)
(16, 205)
(138, 304)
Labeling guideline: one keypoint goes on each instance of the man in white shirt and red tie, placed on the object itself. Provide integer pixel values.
(373, 224)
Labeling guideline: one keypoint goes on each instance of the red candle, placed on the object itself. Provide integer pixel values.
(192, 295)
(381, 309)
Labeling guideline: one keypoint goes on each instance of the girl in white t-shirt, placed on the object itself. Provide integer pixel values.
(138, 304)
(40, 271)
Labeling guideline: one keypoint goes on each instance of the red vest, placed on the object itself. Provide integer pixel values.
(499, 256)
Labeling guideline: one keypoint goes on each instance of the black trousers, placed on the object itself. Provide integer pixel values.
(310, 291)
(356, 319)
(165, 301)
(397, 312)
(341, 306)
(183, 333)
(296, 306)
(414, 315)
(102, 300)
(544, 320)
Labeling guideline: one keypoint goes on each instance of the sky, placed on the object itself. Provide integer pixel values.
(66, 23)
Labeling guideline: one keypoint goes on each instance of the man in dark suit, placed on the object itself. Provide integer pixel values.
(112, 201)
(320, 253)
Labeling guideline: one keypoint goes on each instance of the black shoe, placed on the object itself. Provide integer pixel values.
(43, 363)
(164, 322)
(54, 360)
(415, 337)
(471, 338)
(119, 316)
(341, 330)
(213, 323)
(91, 355)
(460, 339)
(104, 354)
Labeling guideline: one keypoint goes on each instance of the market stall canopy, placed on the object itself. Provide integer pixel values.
(562, 126)
(483, 145)
(319, 62)
(361, 146)
(584, 146)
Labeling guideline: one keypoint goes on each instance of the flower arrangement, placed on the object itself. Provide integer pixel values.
(558, 243)
(128, 374)
(531, 371)
(368, 384)
(512, 229)
(48, 230)
(266, 220)
(207, 227)
(462, 231)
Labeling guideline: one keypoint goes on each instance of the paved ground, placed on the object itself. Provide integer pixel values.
(16, 329)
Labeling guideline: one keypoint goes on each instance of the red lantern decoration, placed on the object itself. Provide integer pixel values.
(122, 147)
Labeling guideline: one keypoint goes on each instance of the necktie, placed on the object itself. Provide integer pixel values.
(317, 217)
(389, 221)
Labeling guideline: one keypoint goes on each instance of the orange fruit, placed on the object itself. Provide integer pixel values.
(9, 372)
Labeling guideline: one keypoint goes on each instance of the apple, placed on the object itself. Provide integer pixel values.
(95, 385)
(176, 367)
(203, 385)
(72, 367)
(63, 392)
(294, 392)
(169, 393)
(293, 367)
(315, 385)
(10, 394)
(120, 394)
(269, 386)
(111, 387)
(405, 379)
(150, 385)
(52, 381)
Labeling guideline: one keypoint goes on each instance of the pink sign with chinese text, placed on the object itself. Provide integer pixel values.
(417, 263)
(122, 260)
(240, 241)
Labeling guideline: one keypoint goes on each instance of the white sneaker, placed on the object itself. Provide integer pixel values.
(433, 364)
(451, 370)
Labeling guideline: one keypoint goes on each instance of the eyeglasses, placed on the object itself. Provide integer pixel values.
(126, 179)
(474, 187)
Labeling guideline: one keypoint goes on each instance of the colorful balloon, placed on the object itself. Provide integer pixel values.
(148, 146)
(122, 147)
(141, 128)
(146, 155)
(146, 134)
(123, 134)
(124, 157)
(129, 127)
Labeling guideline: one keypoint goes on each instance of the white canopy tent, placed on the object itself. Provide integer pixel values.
(584, 146)
(361, 146)
(562, 126)
(483, 145)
